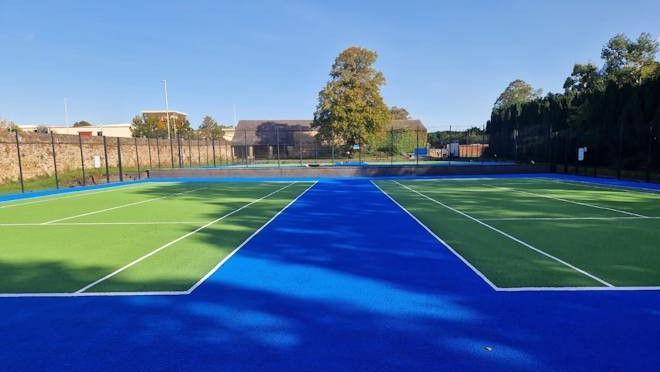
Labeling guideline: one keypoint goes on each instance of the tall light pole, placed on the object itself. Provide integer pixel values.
(167, 109)
(66, 112)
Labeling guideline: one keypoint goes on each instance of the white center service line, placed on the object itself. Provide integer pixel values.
(119, 206)
(508, 236)
(134, 262)
(565, 200)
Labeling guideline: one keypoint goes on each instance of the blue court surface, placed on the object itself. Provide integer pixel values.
(343, 279)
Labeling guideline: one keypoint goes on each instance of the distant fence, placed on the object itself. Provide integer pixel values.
(30, 161)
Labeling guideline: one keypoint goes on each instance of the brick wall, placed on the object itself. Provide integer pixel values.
(37, 153)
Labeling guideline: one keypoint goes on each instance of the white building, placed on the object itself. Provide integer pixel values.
(108, 130)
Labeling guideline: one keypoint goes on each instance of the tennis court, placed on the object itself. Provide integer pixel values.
(144, 238)
(528, 234)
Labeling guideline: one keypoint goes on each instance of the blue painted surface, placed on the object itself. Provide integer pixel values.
(342, 280)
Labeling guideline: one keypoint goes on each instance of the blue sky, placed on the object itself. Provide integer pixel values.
(446, 62)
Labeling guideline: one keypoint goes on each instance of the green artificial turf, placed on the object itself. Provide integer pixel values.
(69, 241)
(597, 229)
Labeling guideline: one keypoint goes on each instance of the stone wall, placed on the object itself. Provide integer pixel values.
(37, 158)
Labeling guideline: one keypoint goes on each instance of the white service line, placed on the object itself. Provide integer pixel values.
(564, 200)
(444, 243)
(105, 223)
(132, 263)
(203, 279)
(71, 194)
(601, 186)
(509, 236)
(119, 206)
(621, 218)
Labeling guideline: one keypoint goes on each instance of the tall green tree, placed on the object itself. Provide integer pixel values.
(518, 92)
(209, 128)
(628, 61)
(350, 109)
(399, 113)
(585, 79)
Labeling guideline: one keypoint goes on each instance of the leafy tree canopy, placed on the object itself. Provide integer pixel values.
(209, 128)
(82, 123)
(151, 127)
(9, 125)
(350, 109)
(399, 113)
(628, 61)
(584, 79)
(518, 92)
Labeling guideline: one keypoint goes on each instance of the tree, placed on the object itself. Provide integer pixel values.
(584, 79)
(399, 113)
(630, 62)
(351, 109)
(518, 92)
(209, 128)
(9, 125)
(82, 123)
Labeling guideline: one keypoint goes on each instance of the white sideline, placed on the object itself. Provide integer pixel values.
(203, 279)
(509, 236)
(119, 206)
(105, 223)
(601, 186)
(69, 195)
(566, 200)
(451, 249)
(622, 218)
(132, 263)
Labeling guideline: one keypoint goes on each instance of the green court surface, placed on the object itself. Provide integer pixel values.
(537, 233)
(151, 237)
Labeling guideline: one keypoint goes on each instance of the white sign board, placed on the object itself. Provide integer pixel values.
(97, 161)
(356, 147)
(581, 152)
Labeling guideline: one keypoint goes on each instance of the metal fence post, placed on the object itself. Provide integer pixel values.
(82, 160)
(189, 153)
(178, 145)
(52, 146)
(391, 146)
(121, 169)
(246, 146)
(158, 151)
(20, 163)
(213, 150)
(199, 154)
(105, 156)
(206, 149)
(648, 154)
(277, 139)
(417, 147)
(300, 149)
(172, 152)
(137, 157)
(149, 151)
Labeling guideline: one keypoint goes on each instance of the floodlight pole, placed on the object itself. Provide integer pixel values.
(167, 109)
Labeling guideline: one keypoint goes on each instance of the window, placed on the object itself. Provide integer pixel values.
(99, 133)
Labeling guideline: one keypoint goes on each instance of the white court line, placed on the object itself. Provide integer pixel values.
(71, 194)
(622, 218)
(600, 186)
(203, 279)
(134, 262)
(119, 206)
(105, 223)
(565, 200)
(510, 237)
(444, 243)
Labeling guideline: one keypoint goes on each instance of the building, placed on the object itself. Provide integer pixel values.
(259, 138)
(109, 130)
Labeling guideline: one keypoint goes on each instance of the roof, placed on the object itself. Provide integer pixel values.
(263, 132)
(406, 124)
(164, 112)
(268, 132)
(56, 126)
